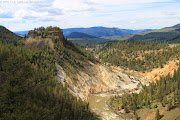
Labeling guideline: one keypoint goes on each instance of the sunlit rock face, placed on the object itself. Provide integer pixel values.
(49, 34)
(98, 78)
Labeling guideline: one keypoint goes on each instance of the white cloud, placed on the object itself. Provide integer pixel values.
(20, 13)
(132, 22)
(86, 13)
(88, 5)
(75, 6)
(116, 2)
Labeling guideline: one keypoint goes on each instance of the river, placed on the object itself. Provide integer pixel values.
(98, 105)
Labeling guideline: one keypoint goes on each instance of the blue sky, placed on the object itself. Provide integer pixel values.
(19, 15)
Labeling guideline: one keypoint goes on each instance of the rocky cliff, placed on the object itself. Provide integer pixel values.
(98, 78)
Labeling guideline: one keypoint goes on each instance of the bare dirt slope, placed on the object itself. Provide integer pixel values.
(155, 74)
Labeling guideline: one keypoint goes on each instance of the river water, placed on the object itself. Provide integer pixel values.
(98, 105)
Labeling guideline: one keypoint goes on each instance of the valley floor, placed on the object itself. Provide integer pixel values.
(98, 105)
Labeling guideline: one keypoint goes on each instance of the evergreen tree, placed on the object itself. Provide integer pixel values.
(169, 105)
(158, 117)
(136, 116)
(126, 109)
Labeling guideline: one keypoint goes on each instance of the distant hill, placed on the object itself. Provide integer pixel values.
(119, 37)
(84, 39)
(81, 38)
(79, 35)
(6, 36)
(161, 35)
(175, 40)
(102, 31)
(87, 41)
(176, 26)
(22, 33)
(98, 31)
(145, 30)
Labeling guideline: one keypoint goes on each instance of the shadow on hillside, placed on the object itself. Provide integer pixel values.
(161, 116)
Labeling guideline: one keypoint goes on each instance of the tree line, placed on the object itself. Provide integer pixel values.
(139, 55)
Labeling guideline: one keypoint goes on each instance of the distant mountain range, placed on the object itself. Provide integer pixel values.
(176, 26)
(161, 35)
(103, 31)
(96, 31)
(22, 33)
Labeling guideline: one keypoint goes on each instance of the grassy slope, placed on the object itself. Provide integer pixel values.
(120, 37)
(81, 42)
(175, 40)
(149, 114)
(85, 41)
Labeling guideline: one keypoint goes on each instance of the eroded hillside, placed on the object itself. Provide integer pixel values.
(97, 78)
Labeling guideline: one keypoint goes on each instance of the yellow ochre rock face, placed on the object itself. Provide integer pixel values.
(155, 74)
(100, 78)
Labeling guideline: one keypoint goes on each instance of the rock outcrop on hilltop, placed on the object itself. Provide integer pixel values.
(41, 37)
(48, 34)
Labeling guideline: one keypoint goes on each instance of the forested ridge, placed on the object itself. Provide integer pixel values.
(139, 55)
(7, 36)
(28, 86)
(70, 56)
